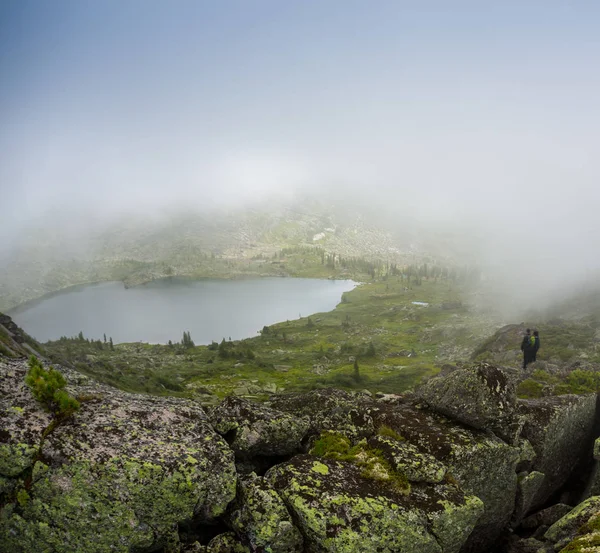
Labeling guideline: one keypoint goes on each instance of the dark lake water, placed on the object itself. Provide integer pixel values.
(161, 311)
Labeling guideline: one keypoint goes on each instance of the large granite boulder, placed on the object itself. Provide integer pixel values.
(480, 463)
(118, 475)
(253, 429)
(330, 409)
(561, 431)
(338, 509)
(482, 396)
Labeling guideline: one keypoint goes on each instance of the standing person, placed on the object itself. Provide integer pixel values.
(536, 344)
(526, 348)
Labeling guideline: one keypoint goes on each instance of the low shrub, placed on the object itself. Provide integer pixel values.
(48, 386)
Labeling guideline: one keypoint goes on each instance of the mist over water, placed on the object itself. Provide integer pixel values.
(474, 127)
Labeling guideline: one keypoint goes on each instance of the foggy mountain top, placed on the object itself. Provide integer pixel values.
(473, 123)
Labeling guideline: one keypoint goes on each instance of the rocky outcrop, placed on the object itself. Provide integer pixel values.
(13, 341)
(118, 475)
(452, 469)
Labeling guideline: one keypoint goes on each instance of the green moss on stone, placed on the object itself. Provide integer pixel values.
(320, 468)
(112, 507)
(384, 430)
(373, 462)
(15, 458)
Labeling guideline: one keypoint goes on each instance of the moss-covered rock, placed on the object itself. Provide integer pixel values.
(338, 509)
(117, 475)
(454, 523)
(253, 429)
(331, 410)
(226, 543)
(405, 457)
(261, 519)
(587, 539)
(22, 419)
(560, 430)
(565, 529)
(480, 463)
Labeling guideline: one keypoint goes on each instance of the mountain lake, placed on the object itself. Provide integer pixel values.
(162, 310)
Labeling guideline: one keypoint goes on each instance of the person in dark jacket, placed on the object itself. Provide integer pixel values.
(536, 344)
(525, 339)
(526, 348)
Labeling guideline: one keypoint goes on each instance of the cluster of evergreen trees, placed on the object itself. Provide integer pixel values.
(98, 344)
(187, 341)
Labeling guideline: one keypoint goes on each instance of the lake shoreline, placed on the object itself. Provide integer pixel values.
(159, 311)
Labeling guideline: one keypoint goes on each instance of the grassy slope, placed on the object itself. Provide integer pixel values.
(297, 355)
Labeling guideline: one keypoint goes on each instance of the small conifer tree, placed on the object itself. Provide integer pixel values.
(48, 386)
(356, 371)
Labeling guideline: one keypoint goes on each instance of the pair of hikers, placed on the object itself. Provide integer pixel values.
(530, 346)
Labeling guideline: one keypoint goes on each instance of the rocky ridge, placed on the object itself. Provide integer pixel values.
(480, 470)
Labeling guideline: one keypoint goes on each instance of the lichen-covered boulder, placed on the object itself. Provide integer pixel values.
(339, 510)
(226, 543)
(482, 396)
(22, 420)
(195, 547)
(560, 430)
(480, 463)
(332, 410)
(254, 429)
(118, 475)
(418, 466)
(565, 529)
(261, 518)
(587, 539)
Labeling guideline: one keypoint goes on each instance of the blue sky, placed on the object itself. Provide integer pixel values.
(453, 110)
